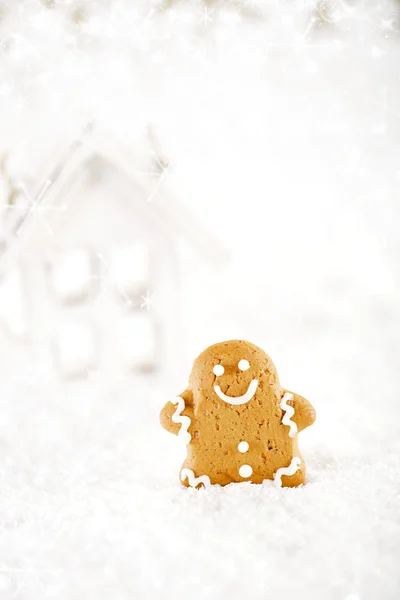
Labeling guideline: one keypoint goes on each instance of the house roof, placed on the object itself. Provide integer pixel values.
(171, 215)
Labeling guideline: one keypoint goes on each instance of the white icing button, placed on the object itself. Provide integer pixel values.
(244, 364)
(218, 370)
(245, 471)
(243, 447)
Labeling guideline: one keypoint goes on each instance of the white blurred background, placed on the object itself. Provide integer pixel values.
(176, 173)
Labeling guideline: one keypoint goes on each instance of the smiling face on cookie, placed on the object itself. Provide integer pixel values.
(232, 372)
(243, 365)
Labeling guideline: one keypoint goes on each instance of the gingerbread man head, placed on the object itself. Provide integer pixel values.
(233, 373)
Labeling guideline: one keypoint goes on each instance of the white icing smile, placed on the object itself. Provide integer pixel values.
(251, 390)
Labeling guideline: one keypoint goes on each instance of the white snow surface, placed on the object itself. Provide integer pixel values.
(91, 505)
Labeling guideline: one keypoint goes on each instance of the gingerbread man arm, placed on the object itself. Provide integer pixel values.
(304, 412)
(170, 409)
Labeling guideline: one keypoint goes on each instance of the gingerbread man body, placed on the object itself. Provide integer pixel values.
(239, 424)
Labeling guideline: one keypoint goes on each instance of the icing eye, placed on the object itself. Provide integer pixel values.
(218, 370)
(244, 365)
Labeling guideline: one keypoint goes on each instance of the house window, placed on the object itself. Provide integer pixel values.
(71, 275)
(137, 343)
(129, 270)
(89, 288)
(75, 348)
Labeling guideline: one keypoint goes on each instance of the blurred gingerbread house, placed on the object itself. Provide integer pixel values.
(94, 256)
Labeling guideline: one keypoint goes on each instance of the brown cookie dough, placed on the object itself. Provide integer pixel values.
(239, 424)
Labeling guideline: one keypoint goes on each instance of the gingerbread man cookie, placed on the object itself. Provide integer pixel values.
(236, 420)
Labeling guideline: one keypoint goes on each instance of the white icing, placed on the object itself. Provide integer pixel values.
(184, 421)
(218, 370)
(289, 412)
(251, 390)
(244, 364)
(195, 481)
(245, 471)
(243, 446)
(290, 470)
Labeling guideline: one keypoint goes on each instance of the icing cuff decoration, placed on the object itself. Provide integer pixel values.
(289, 412)
(195, 481)
(290, 470)
(184, 421)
